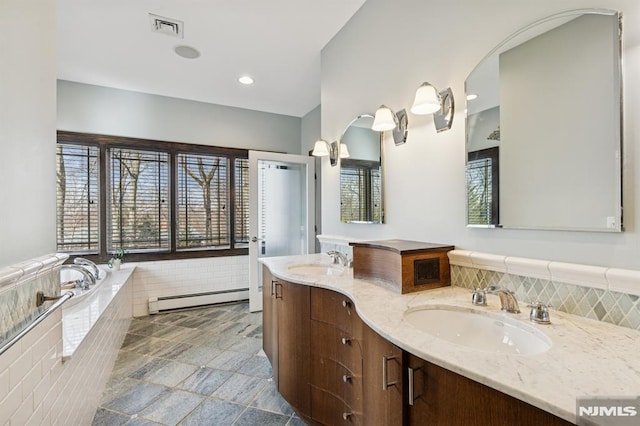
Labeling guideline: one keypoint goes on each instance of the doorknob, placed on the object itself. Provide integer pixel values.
(256, 239)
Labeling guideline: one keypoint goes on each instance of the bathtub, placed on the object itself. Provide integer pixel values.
(82, 311)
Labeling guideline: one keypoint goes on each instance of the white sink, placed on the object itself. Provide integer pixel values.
(316, 269)
(479, 330)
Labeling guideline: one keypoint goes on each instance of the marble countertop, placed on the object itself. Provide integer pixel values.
(587, 357)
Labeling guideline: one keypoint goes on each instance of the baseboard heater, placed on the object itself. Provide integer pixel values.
(169, 303)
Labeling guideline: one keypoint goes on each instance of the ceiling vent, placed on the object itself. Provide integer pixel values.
(168, 26)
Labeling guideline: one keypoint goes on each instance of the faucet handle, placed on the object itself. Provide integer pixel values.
(539, 313)
(479, 297)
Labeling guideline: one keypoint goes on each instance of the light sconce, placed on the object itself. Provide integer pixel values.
(430, 101)
(344, 151)
(385, 119)
(323, 148)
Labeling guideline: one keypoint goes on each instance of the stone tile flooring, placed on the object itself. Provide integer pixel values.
(201, 366)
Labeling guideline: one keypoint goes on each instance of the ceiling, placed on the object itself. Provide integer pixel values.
(277, 42)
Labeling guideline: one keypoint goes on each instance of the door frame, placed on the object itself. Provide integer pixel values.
(255, 269)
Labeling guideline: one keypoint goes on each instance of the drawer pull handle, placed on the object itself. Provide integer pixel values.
(346, 340)
(385, 372)
(346, 304)
(411, 384)
(346, 378)
(346, 416)
(276, 290)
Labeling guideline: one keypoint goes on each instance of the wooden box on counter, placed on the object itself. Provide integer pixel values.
(407, 265)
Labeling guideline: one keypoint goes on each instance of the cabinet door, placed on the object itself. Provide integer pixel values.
(294, 364)
(441, 397)
(382, 380)
(269, 321)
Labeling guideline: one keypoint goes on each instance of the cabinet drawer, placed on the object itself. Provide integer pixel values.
(336, 379)
(333, 343)
(333, 308)
(329, 409)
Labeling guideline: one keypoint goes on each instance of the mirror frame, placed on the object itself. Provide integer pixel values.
(382, 184)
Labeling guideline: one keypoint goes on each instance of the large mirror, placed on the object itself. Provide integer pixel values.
(544, 127)
(361, 176)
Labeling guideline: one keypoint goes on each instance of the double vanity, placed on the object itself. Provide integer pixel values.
(356, 351)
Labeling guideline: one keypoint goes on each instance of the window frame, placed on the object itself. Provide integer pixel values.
(104, 142)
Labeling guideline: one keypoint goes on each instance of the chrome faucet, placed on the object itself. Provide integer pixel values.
(86, 262)
(507, 298)
(87, 277)
(338, 257)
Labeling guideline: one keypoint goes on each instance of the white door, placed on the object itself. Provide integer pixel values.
(281, 218)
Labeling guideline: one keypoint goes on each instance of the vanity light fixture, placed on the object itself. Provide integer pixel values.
(344, 151)
(429, 100)
(385, 119)
(323, 148)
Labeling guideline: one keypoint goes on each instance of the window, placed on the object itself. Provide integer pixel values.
(138, 200)
(161, 200)
(482, 187)
(242, 202)
(203, 196)
(77, 198)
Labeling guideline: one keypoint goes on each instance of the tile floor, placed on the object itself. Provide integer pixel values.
(202, 366)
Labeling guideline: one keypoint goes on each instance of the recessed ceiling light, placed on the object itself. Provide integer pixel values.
(472, 96)
(187, 52)
(245, 79)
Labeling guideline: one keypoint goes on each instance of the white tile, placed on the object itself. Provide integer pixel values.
(491, 262)
(624, 280)
(460, 258)
(31, 380)
(24, 411)
(4, 384)
(10, 404)
(20, 368)
(528, 267)
(9, 276)
(583, 275)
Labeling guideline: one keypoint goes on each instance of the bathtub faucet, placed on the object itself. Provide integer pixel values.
(87, 277)
(86, 262)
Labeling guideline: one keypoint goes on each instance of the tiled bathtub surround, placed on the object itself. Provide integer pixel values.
(38, 387)
(599, 293)
(18, 287)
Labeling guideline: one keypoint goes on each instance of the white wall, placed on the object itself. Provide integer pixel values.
(310, 133)
(27, 129)
(441, 42)
(95, 109)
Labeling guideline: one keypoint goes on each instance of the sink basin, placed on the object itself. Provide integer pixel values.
(316, 269)
(479, 330)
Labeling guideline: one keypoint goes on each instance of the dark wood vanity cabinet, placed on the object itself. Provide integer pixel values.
(335, 370)
(437, 396)
(382, 380)
(336, 360)
(286, 338)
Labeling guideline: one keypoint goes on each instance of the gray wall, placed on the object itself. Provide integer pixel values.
(441, 42)
(27, 129)
(95, 109)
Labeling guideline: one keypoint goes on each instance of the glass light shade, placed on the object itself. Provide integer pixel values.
(320, 149)
(383, 120)
(427, 100)
(344, 151)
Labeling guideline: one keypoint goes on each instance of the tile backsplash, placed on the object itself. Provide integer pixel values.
(588, 300)
(18, 287)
